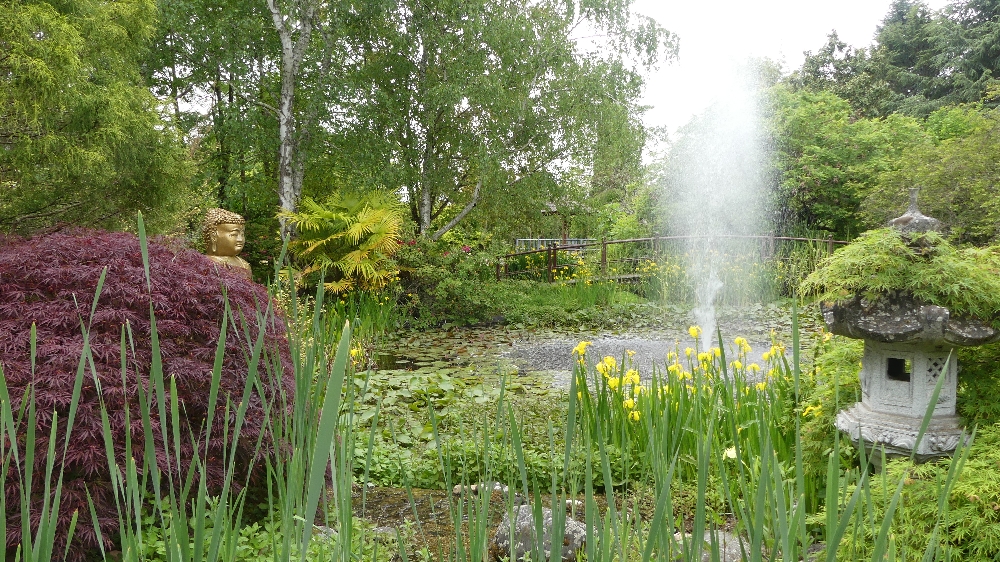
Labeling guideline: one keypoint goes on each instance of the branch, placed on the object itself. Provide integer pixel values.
(461, 215)
(437, 213)
(262, 104)
(43, 213)
(277, 18)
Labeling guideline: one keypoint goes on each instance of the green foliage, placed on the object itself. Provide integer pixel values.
(829, 160)
(921, 60)
(970, 528)
(506, 95)
(978, 400)
(425, 426)
(881, 262)
(84, 141)
(348, 239)
(830, 386)
(956, 172)
(259, 541)
(445, 282)
(849, 73)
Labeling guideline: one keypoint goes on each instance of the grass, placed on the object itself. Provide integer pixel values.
(703, 425)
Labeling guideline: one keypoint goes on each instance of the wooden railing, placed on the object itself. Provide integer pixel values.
(656, 245)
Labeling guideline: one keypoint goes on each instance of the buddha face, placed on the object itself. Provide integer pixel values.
(228, 240)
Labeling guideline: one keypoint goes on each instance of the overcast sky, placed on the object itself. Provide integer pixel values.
(715, 34)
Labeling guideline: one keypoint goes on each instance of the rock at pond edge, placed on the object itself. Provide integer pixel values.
(523, 543)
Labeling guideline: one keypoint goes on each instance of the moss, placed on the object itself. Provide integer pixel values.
(926, 266)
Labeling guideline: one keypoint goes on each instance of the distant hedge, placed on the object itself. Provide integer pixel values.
(50, 281)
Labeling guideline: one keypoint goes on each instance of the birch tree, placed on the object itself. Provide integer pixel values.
(462, 103)
(293, 20)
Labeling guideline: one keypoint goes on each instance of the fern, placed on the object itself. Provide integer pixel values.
(349, 239)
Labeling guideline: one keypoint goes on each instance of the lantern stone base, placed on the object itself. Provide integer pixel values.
(897, 434)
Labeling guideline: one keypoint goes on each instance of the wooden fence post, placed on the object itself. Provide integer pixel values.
(498, 270)
(549, 259)
(767, 246)
(604, 257)
(829, 244)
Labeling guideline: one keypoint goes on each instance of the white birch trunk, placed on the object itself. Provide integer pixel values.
(461, 215)
(292, 53)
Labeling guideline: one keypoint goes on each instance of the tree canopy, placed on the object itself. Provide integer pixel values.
(84, 141)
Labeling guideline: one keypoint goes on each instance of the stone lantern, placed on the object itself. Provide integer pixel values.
(907, 349)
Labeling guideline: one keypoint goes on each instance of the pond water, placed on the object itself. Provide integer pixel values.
(544, 356)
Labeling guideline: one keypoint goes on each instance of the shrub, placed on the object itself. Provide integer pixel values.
(978, 400)
(882, 261)
(970, 528)
(50, 281)
(830, 386)
(442, 282)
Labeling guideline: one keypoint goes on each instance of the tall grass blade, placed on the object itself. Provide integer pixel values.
(329, 418)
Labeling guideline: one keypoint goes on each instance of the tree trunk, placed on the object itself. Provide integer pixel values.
(292, 53)
(461, 215)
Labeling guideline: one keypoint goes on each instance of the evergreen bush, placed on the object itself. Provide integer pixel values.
(970, 525)
(49, 281)
(926, 267)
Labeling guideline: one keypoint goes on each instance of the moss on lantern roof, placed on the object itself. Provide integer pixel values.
(925, 266)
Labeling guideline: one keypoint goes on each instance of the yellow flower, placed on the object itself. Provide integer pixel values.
(740, 342)
(704, 357)
(614, 382)
(671, 357)
(695, 331)
(761, 385)
(753, 367)
(736, 365)
(716, 351)
(602, 368)
(610, 361)
(631, 377)
(581, 348)
(766, 356)
(629, 404)
(815, 410)
(631, 352)
(634, 415)
(688, 351)
(674, 369)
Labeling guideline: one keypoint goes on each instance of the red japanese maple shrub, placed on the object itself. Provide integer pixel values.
(50, 281)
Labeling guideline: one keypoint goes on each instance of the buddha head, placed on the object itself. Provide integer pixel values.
(223, 233)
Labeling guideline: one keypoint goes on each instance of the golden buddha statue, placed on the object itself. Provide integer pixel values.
(223, 233)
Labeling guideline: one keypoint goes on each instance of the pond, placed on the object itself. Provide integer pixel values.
(543, 357)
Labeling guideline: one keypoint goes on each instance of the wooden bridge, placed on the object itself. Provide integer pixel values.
(642, 249)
